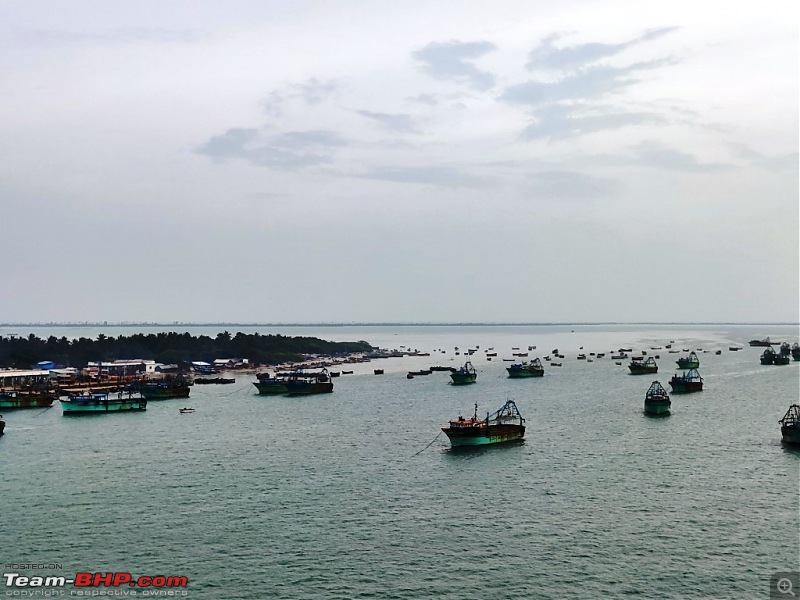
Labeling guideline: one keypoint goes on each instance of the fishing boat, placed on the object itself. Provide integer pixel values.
(301, 382)
(185, 410)
(689, 381)
(765, 342)
(656, 400)
(100, 402)
(464, 375)
(790, 425)
(505, 425)
(27, 399)
(271, 384)
(796, 351)
(378, 371)
(164, 389)
(688, 362)
(639, 366)
(781, 359)
(526, 368)
(768, 357)
(421, 372)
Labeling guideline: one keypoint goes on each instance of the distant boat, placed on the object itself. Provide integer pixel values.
(790, 425)
(765, 342)
(420, 372)
(656, 400)
(689, 382)
(734, 348)
(185, 410)
(2, 425)
(505, 425)
(689, 362)
(638, 366)
(533, 368)
(464, 375)
(378, 371)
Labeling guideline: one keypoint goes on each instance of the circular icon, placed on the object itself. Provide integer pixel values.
(784, 586)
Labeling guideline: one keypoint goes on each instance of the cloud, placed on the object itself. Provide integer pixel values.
(393, 122)
(571, 185)
(590, 83)
(450, 61)
(291, 150)
(548, 56)
(437, 176)
(655, 155)
(561, 121)
(313, 90)
(776, 162)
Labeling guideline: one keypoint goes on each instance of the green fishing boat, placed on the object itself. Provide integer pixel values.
(464, 375)
(656, 400)
(533, 368)
(689, 362)
(269, 384)
(639, 366)
(689, 382)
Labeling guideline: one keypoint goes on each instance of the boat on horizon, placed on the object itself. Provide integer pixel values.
(656, 400)
(101, 402)
(504, 425)
(465, 375)
(765, 342)
(790, 425)
(526, 368)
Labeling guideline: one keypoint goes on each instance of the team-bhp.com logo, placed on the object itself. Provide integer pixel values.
(97, 580)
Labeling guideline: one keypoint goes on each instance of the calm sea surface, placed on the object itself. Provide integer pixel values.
(337, 496)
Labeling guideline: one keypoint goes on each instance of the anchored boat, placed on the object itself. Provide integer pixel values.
(790, 425)
(796, 351)
(689, 362)
(765, 342)
(505, 425)
(100, 402)
(639, 366)
(302, 382)
(656, 400)
(26, 399)
(271, 384)
(768, 357)
(464, 375)
(173, 387)
(689, 382)
(533, 368)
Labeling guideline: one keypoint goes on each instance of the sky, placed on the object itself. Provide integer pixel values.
(417, 161)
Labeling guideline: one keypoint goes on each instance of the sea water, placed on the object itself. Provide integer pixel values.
(356, 494)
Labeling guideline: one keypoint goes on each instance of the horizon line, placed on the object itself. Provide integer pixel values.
(378, 323)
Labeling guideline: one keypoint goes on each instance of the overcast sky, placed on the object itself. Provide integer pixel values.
(333, 161)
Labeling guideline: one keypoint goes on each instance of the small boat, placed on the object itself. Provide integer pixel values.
(734, 348)
(689, 362)
(554, 364)
(101, 402)
(796, 351)
(505, 425)
(656, 400)
(638, 366)
(185, 410)
(335, 373)
(271, 384)
(420, 372)
(464, 375)
(302, 382)
(581, 356)
(768, 357)
(533, 368)
(621, 356)
(347, 372)
(781, 359)
(378, 371)
(689, 382)
(790, 425)
(765, 342)
(718, 352)
(409, 376)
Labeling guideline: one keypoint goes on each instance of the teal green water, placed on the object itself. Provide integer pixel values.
(326, 497)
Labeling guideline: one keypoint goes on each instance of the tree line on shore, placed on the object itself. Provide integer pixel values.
(168, 348)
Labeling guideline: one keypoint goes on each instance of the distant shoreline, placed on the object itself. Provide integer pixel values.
(394, 324)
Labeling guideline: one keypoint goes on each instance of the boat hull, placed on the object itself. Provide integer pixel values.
(642, 370)
(266, 389)
(521, 373)
(73, 407)
(459, 379)
(657, 408)
(686, 387)
(297, 388)
(26, 402)
(164, 393)
(790, 435)
(481, 436)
